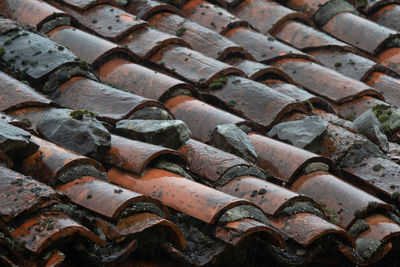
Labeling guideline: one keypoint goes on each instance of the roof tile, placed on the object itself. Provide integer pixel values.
(387, 85)
(142, 81)
(17, 95)
(325, 82)
(50, 161)
(337, 196)
(200, 38)
(144, 9)
(263, 48)
(284, 161)
(306, 6)
(108, 103)
(266, 16)
(247, 99)
(100, 196)
(388, 16)
(135, 156)
(356, 107)
(391, 59)
(197, 200)
(147, 41)
(201, 118)
(85, 4)
(360, 32)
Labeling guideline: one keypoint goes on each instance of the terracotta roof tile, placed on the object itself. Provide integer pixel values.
(338, 196)
(85, 4)
(200, 117)
(387, 85)
(359, 32)
(282, 160)
(135, 156)
(247, 99)
(306, 6)
(204, 13)
(214, 164)
(192, 198)
(356, 107)
(107, 102)
(305, 38)
(328, 83)
(50, 161)
(144, 9)
(17, 95)
(200, 38)
(192, 66)
(390, 58)
(266, 16)
(386, 16)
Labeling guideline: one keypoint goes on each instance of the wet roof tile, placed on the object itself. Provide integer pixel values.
(192, 198)
(135, 156)
(388, 16)
(387, 85)
(85, 4)
(144, 9)
(100, 196)
(360, 32)
(107, 21)
(390, 58)
(106, 102)
(336, 195)
(306, 6)
(282, 160)
(325, 82)
(266, 16)
(20, 194)
(200, 38)
(16, 95)
(200, 117)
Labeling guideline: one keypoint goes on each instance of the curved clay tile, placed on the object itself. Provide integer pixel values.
(201, 39)
(235, 232)
(387, 85)
(199, 201)
(101, 197)
(308, 7)
(51, 161)
(325, 82)
(20, 194)
(305, 38)
(380, 228)
(107, 21)
(212, 163)
(34, 58)
(372, 5)
(268, 196)
(297, 93)
(200, 117)
(85, 4)
(136, 79)
(248, 99)
(135, 156)
(388, 16)
(356, 107)
(284, 161)
(379, 176)
(88, 47)
(144, 9)
(349, 64)
(106, 102)
(391, 59)
(192, 66)
(340, 198)
(139, 223)
(147, 41)
(306, 228)
(40, 232)
(17, 95)
(211, 16)
(265, 49)
(359, 32)
(265, 15)
(32, 12)
(257, 71)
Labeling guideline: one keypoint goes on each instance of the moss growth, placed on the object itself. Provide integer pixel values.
(338, 64)
(361, 4)
(80, 113)
(1, 51)
(390, 121)
(232, 103)
(395, 196)
(309, 105)
(179, 32)
(218, 83)
(350, 117)
(377, 167)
